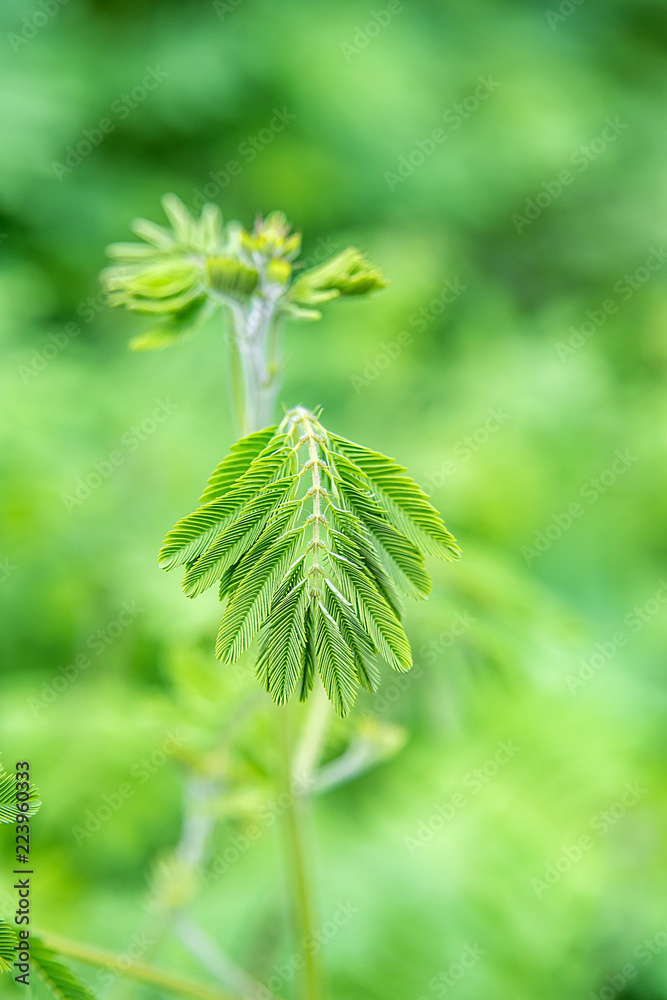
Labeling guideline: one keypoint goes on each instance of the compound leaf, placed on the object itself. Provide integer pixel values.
(416, 515)
(336, 661)
(232, 468)
(312, 540)
(283, 639)
(249, 606)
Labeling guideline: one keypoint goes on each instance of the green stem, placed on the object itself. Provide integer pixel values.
(309, 749)
(235, 374)
(296, 840)
(141, 971)
(258, 343)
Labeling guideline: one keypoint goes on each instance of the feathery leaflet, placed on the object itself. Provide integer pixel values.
(312, 540)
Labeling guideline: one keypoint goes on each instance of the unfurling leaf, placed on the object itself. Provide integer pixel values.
(348, 273)
(231, 276)
(311, 539)
(179, 273)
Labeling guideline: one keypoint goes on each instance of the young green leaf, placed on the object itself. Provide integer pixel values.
(237, 537)
(375, 614)
(251, 601)
(282, 639)
(336, 661)
(232, 468)
(416, 514)
(403, 558)
(311, 556)
(182, 271)
(192, 535)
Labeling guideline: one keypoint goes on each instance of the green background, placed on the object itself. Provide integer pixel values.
(505, 643)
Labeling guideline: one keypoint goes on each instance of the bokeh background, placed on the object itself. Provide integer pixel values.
(517, 364)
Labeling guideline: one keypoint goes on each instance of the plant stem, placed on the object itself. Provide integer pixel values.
(257, 336)
(296, 840)
(141, 971)
(206, 950)
(309, 748)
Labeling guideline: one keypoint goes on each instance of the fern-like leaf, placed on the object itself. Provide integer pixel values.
(419, 518)
(235, 540)
(59, 981)
(251, 602)
(355, 636)
(232, 468)
(336, 661)
(283, 639)
(8, 943)
(191, 536)
(182, 271)
(312, 540)
(402, 557)
(9, 811)
(375, 614)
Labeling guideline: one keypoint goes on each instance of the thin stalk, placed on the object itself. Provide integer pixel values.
(141, 971)
(310, 746)
(235, 378)
(258, 342)
(296, 841)
(206, 950)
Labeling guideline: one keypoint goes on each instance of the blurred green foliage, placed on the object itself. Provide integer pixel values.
(328, 112)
